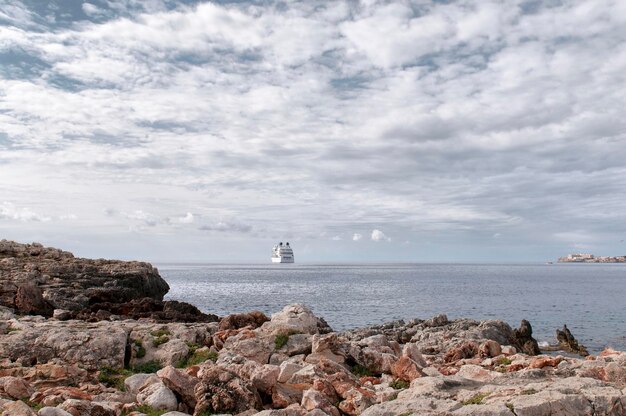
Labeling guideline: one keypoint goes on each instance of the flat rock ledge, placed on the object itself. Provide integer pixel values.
(293, 364)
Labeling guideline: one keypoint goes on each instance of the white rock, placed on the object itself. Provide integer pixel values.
(134, 383)
(52, 411)
(157, 396)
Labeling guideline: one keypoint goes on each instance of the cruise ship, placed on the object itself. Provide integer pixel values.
(282, 253)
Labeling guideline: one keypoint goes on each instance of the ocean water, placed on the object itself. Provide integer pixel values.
(589, 298)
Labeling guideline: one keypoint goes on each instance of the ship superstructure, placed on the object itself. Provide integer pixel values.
(282, 253)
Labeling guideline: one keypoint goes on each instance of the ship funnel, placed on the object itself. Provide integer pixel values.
(280, 244)
(287, 242)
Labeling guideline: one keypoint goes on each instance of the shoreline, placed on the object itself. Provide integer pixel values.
(118, 349)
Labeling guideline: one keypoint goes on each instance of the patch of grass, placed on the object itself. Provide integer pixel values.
(35, 406)
(477, 399)
(360, 371)
(399, 384)
(281, 340)
(149, 367)
(140, 351)
(510, 406)
(192, 347)
(160, 340)
(528, 392)
(161, 332)
(114, 377)
(504, 361)
(11, 329)
(198, 357)
(406, 414)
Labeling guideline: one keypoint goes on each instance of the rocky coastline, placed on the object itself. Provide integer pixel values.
(94, 337)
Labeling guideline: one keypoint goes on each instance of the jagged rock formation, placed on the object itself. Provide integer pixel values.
(286, 366)
(567, 342)
(36, 280)
(524, 338)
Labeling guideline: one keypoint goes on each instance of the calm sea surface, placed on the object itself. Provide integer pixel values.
(589, 298)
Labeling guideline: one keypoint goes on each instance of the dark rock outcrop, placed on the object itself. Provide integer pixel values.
(569, 343)
(144, 308)
(525, 340)
(36, 280)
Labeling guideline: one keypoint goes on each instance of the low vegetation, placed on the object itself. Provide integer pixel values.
(477, 399)
(399, 384)
(114, 377)
(360, 371)
(281, 340)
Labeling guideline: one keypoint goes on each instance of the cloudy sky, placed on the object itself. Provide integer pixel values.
(359, 131)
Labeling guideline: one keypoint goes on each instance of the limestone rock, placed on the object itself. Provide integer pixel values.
(181, 383)
(296, 318)
(223, 391)
(17, 408)
(52, 411)
(16, 387)
(157, 396)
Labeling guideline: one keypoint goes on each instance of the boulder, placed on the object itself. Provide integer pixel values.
(180, 383)
(17, 408)
(406, 369)
(295, 319)
(313, 399)
(467, 349)
(223, 391)
(16, 387)
(86, 408)
(157, 396)
(52, 411)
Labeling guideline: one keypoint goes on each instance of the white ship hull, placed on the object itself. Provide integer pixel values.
(282, 253)
(281, 260)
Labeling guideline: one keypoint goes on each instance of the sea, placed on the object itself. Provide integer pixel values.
(589, 298)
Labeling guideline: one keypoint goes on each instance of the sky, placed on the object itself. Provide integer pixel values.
(393, 131)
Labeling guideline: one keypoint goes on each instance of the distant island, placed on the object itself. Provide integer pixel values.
(590, 258)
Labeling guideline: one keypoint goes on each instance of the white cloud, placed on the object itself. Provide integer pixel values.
(9, 211)
(187, 219)
(91, 9)
(336, 238)
(312, 120)
(378, 235)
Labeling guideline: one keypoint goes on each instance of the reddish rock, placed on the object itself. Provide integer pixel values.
(17, 408)
(406, 369)
(515, 367)
(240, 320)
(57, 395)
(180, 383)
(489, 349)
(313, 399)
(84, 408)
(16, 387)
(356, 401)
(223, 391)
(284, 395)
(468, 349)
(541, 362)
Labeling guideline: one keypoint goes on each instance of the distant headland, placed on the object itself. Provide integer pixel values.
(590, 258)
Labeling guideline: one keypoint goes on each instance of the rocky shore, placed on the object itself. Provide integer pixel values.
(96, 353)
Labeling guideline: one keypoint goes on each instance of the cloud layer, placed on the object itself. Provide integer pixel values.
(235, 124)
